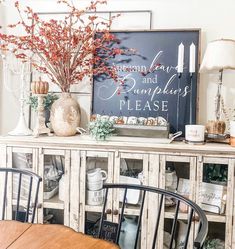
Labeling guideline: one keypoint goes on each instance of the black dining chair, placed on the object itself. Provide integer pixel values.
(113, 230)
(18, 194)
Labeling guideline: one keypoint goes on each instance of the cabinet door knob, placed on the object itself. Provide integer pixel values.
(39, 205)
(195, 218)
(108, 211)
(115, 212)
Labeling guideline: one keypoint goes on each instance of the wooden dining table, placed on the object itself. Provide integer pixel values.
(17, 235)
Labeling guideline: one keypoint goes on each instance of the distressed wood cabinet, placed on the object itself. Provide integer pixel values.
(73, 156)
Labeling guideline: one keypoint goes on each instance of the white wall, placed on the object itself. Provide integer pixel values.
(215, 18)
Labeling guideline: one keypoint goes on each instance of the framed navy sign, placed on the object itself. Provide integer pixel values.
(159, 79)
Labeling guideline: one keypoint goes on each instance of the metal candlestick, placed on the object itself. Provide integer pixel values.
(178, 103)
(191, 100)
(40, 127)
(21, 128)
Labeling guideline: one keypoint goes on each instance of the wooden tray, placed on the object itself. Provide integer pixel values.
(141, 139)
(142, 131)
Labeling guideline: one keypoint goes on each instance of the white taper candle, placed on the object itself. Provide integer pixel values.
(192, 58)
(180, 67)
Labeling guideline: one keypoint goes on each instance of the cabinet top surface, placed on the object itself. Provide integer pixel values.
(115, 142)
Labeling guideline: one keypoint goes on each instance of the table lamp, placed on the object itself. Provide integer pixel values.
(219, 55)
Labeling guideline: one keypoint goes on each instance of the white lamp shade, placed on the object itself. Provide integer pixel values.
(219, 55)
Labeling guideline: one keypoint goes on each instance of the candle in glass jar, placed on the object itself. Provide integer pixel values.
(180, 66)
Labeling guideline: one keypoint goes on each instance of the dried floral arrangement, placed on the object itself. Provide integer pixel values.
(227, 114)
(65, 50)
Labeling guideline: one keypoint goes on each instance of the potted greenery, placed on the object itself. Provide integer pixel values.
(101, 129)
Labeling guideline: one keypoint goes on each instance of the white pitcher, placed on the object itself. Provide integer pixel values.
(96, 175)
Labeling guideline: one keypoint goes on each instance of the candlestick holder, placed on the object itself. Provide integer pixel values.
(40, 127)
(191, 100)
(22, 70)
(178, 102)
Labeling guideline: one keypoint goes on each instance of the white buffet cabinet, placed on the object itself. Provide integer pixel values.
(73, 156)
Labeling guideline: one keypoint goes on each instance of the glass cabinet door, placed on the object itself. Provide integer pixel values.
(19, 158)
(22, 158)
(3, 155)
(3, 163)
(215, 196)
(130, 168)
(54, 167)
(75, 178)
(178, 175)
(96, 169)
(231, 194)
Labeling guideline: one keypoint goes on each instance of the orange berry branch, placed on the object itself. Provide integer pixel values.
(66, 50)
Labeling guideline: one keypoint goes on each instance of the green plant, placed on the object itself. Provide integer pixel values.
(49, 99)
(101, 129)
(213, 244)
(215, 173)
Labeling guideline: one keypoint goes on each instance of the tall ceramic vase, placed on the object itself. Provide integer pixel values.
(65, 115)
